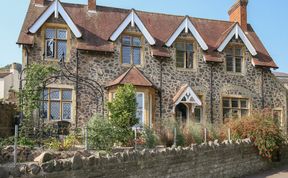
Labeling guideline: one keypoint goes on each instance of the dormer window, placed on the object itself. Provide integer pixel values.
(184, 55)
(55, 44)
(131, 50)
(234, 59)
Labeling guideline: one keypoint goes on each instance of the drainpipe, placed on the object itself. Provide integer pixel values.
(160, 92)
(77, 87)
(211, 93)
(262, 89)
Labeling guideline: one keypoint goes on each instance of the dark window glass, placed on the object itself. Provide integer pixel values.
(184, 55)
(55, 43)
(131, 50)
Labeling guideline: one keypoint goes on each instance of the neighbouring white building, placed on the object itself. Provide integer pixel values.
(9, 81)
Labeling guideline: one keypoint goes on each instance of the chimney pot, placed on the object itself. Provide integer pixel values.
(92, 5)
(40, 2)
(238, 13)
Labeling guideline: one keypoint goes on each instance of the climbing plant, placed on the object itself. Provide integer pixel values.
(36, 78)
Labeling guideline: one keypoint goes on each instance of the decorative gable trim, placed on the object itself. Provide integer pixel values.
(188, 26)
(186, 95)
(237, 32)
(133, 19)
(56, 7)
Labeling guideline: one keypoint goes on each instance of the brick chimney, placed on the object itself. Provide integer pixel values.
(40, 2)
(238, 13)
(92, 5)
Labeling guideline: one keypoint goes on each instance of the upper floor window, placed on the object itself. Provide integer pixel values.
(55, 43)
(56, 104)
(184, 55)
(234, 59)
(235, 107)
(131, 50)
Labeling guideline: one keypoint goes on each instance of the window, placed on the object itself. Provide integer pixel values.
(198, 114)
(234, 59)
(57, 104)
(184, 55)
(140, 107)
(235, 107)
(277, 115)
(131, 50)
(55, 43)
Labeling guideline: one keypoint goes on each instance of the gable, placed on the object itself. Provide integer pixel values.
(133, 19)
(56, 8)
(237, 32)
(187, 26)
(186, 95)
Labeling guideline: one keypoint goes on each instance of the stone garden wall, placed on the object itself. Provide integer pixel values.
(206, 160)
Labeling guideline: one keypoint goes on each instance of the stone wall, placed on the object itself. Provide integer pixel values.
(206, 160)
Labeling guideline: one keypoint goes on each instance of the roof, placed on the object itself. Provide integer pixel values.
(2, 75)
(280, 74)
(133, 76)
(187, 95)
(97, 28)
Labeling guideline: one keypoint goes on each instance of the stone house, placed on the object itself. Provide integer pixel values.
(9, 82)
(187, 68)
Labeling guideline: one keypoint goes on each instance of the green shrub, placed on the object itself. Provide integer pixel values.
(150, 137)
(6, 141)
(261, 128)
(101, 133)
(61, 145)
(123, 112)
(24, 141)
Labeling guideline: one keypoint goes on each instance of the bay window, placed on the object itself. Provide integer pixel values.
(140, 107)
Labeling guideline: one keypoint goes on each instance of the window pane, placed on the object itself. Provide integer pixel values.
(55, 111)
(238, 52)
(44, 109)
(229, 64)
(62, 34)
(235, 113)
(66, 110)
(140, 107)
(229, 52)
(189, 47)
(136, 41)
(126, 40)
(67, 95)
(243, 103)
(180, 47)
(234, 103)
(197, 112)
(49, 49)
(50, 33)
(44, 94)
(180, 59)
(62, 46)
(244, 112)
(137, 56)
(54, 94)
(226, 113)
(238, 65)
(226, 103)
(126, 53)
(189, 62)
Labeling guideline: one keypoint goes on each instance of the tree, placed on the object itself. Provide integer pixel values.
(123, 112)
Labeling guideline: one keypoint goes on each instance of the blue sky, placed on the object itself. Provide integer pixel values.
(269, 20)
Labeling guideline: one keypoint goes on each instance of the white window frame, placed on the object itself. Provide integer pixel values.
(142, 120)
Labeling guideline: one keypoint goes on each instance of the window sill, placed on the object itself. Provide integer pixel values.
(186, 69)
(235, 73)
(52, 60)
(129, 65)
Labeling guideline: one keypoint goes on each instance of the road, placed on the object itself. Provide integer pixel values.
(281, 172)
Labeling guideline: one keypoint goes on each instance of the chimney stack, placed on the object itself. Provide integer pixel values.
(91, 5)
(238, 13)
(40, 2)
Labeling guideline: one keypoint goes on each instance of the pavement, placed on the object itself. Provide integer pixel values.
(280, 172)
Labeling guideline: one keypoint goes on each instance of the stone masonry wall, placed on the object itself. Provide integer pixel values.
(206, 160)
(105, 67)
